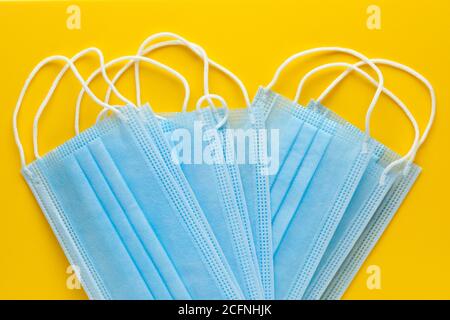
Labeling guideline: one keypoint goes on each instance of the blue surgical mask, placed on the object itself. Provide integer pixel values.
(255, 182)
(246, 187)
(254, 178)
(365, 201)
(103, 192)
(370, 236)
(367, 198)
(311, 136)
(311, 217)
(373, 205)
(330, 160)
(226, 205)
(222, 197)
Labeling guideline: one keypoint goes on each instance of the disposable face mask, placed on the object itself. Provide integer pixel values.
(218, 196)
(366, 199)
(103, 192)
(370, 236)
(225, 213)
(221, 196)
(320, 186)
(255, 181)
(368, 216)
(249, 180)
(250, 135)
(374, 185)
(305, 225)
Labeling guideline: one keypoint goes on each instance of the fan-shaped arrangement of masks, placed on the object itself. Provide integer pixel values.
(272, 201)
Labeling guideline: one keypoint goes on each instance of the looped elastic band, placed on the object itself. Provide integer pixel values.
(37, 68)
(397, 101)
(197, 51)
(336, 49)
(126, 58)
(55, 84)
(410, 156)
(182, 40)
(340, 64)
(194, 48)
(222, 102)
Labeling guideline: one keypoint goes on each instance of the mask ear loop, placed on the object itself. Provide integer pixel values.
(112, 85)
(27, 83)
(222, 102)
(187, 44)
(372, 104)
(325, 49)
(415, 74)
(335, 49)
(55, 84)
(198, 52)
(391, 95)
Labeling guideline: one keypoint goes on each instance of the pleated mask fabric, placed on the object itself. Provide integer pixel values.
(255, 181)
(222, 198)
(248, 195)
(121, 217)
(316, 211)
(365, 201)
(101, 176)
(330, 159)
(371, 234)
(373, 187)
(368, 216)
(306, 136)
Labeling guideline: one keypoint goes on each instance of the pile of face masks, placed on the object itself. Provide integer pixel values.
(273, 201)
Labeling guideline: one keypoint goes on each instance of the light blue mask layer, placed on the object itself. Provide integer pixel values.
(371, 234)
(302, 146)
(365, 201)
(364, 204)
(220, 193)
(121, 218)
(257, 193)
(319, 189)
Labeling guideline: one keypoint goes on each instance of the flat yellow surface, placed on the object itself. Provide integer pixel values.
(251, 38)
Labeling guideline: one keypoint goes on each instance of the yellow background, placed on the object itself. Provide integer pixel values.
(252, 38)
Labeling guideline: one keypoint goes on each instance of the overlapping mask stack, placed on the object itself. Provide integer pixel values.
(272, 201)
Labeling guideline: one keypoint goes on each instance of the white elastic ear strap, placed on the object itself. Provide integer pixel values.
(342, 64)
(336, 49)
(112, 86)
(412, 72)
(197, 51)
(222, 102)
(116, 78)
(385, 90)
(37, 68)
(186, 43)
(55, 84)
